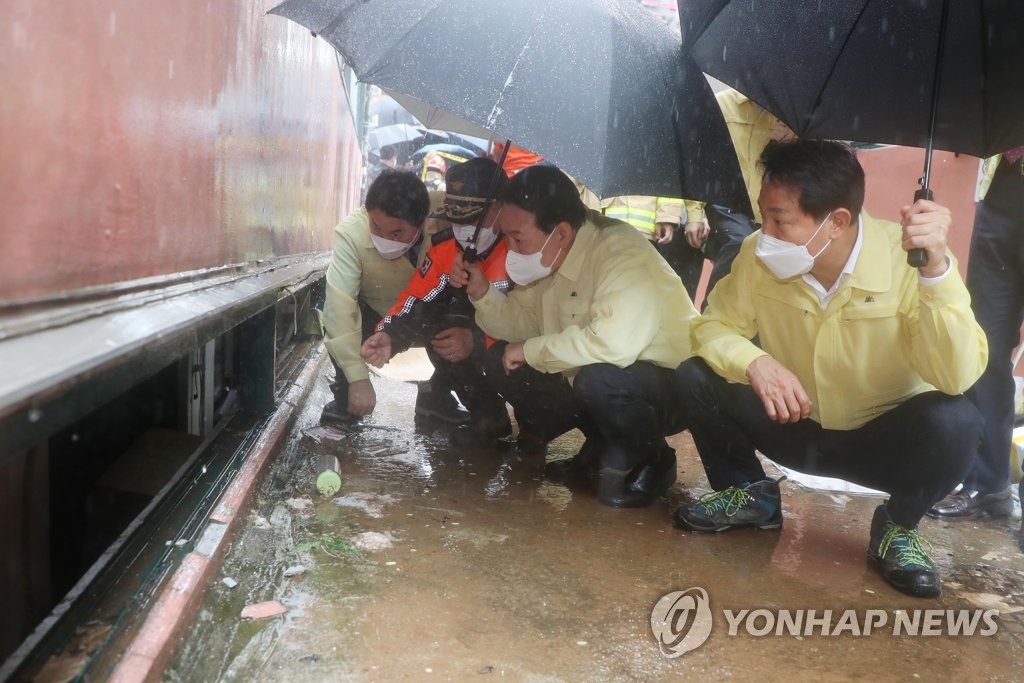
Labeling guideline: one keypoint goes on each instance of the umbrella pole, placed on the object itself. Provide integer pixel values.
(918, 258)
(469, 253)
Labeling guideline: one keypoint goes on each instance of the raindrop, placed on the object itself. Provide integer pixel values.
(34, 415)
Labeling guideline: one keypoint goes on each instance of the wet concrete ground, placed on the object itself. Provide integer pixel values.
(446, 563)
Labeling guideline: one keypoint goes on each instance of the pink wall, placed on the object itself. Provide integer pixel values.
(144, 138)
(892, 174)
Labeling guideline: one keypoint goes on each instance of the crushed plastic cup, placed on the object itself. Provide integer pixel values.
(328, 481)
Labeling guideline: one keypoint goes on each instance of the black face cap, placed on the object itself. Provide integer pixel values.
(466, 190)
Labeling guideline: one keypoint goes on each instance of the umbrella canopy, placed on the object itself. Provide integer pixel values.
(598, 87)
(396, 134)
(864, 70)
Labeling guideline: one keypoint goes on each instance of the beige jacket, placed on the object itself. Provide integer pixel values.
(358, 271)
(613, 300)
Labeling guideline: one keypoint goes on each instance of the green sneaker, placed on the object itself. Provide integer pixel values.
(758, 505)
(903, 557)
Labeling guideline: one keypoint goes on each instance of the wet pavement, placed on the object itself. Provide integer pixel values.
(448, 563)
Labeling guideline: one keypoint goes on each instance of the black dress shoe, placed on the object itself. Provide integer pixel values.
(966, 504)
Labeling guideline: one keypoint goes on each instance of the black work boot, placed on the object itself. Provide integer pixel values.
(579, 468)
(758, 505)
(438, 405)
(639, 486)
(655, 478)
(903, 557)
(334, 416)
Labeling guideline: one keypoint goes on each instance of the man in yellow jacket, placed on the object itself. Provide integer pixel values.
(861, 365)
(594, 304)
(376, 251)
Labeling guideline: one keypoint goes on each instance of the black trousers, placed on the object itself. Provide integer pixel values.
(629, 410)
(728, 229)
(687, 262)
(465, 377)
(995, 279)
(916, 452)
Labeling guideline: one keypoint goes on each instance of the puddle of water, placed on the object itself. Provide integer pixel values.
(493, 571)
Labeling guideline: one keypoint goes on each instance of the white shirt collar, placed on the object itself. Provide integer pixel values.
(825, 296)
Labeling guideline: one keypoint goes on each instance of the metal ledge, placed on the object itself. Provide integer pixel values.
(55, 375)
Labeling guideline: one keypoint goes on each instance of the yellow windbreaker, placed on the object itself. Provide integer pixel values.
(613, 300)
(883, 338)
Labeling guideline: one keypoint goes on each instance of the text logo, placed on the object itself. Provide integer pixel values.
(681, 621)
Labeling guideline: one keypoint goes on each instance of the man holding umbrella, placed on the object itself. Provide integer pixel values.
(861, 367)
(594, 304)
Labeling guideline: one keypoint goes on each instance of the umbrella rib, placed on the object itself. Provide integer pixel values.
(832, 68)
(492, 118)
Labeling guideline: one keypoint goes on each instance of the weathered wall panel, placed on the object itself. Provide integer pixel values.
(141, 138)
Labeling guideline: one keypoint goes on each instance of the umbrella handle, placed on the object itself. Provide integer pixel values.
(918, 258)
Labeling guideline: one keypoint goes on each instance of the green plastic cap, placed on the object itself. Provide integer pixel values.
(328, 483)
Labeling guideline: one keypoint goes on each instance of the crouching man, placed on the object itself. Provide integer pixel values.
(861, 364)
(439, 316)
(594, 303)
(377, 248)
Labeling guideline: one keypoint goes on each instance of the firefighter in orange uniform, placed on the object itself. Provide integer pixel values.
(431, 312)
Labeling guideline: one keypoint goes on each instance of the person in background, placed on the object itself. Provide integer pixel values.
(718, 230)
(861, 365)
(594, 304)
(376, 250)
(995, 279)
(431, 312)
(658, 219)
(516, 160)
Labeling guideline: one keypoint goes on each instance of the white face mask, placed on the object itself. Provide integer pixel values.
(785, 259)
(464, 236)
(487, 237)
(391, 249)
(527, 268)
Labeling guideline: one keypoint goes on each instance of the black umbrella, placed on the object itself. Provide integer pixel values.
(943, 74)
(595, 86)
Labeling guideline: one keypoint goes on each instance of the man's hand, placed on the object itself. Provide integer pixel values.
(513, 358)
(470, 276)
(376, 349)
(926, 226)
(453, 344)
(663, 232)
(783, 396)
(362, 399)
(697, 233)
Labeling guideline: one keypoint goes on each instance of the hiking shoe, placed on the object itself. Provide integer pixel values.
(334, 416)
(758, 505)
(440, 406)
(903, 557)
